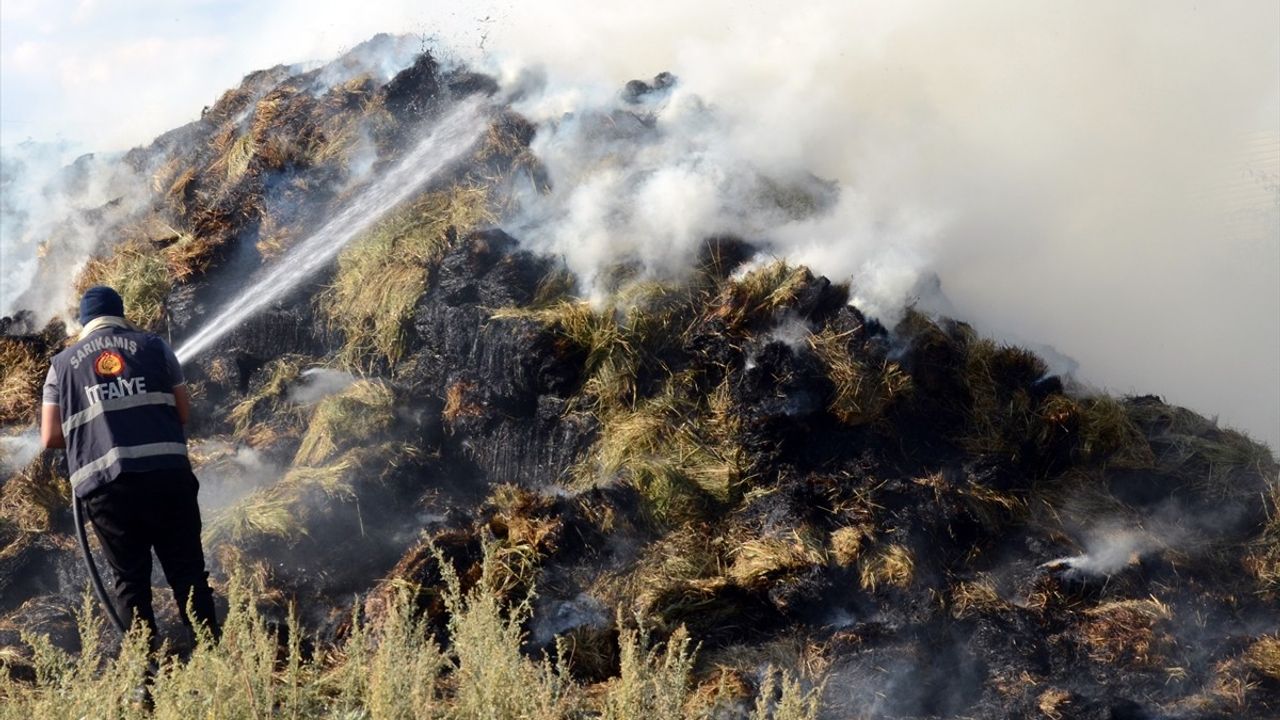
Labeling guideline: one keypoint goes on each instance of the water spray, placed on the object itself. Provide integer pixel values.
(453, 133)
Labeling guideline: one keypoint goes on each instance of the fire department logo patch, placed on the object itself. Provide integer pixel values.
(109, 363)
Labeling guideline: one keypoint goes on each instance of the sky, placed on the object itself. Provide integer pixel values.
(107, 75)
(1098, 177)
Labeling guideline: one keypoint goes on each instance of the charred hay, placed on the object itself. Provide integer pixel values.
(926, 518)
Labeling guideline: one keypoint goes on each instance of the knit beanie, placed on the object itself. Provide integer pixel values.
(98, 301)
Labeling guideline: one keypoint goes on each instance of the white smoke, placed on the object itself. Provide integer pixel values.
(18, 450)
(1109, 549)
(51, 211)
(228, 472)
(792, 330)
(636, 182)
(1102, 177)
(316, 384)
(1105, 178)
(1111, 544)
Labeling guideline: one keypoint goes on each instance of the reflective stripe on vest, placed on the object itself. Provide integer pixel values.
(120, 403)
(126, 452)
(119, 411)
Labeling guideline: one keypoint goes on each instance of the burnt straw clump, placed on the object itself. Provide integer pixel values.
(438, 481)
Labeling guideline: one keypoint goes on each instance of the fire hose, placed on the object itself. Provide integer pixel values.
(98, 588)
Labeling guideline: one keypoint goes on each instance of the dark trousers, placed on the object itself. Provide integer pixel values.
(140, 511)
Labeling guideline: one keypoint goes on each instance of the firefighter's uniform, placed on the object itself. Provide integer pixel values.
(127, 455)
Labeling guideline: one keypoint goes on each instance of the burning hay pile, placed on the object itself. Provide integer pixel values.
(730, 494)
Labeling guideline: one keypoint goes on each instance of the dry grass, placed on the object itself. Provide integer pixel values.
(458, 403)
(759, 561)
(676, 443)
(975, 597)
(394, 669)
(164, 176)
(24, 372)
(189, 255)
(505, 144)
(783, 697)
(185, 253)
(357, 115)
(527, 530)
(1052, 702)
(139, 273)
(683, 554)
(847, 544)
(344, 444)
(623, 339)
(180, 191)
(361, 414)
(654, 680)
(275, 236)
(1263, 558)
(1263, 656)
(613, 355)
(491, 676)
(1228, 689)
(1004, 419)
(989, 506)
(260, 515)
(382, 274)
(1110, 435)
(863, 390)
(237, 153)
(286, 509)
(759, 294)
(1126, 631)
(678, 452)
(891, 565)
(269, 397)
(1219, 460)
(31, 498)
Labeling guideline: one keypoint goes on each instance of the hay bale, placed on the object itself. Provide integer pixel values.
(382, 275)
(461, 402)
(590, 652)
(1110, 436)
(419, 571)
(259, 516)
(268, 401)
(529, 528)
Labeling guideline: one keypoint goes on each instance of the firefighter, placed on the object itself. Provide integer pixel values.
(117, 401)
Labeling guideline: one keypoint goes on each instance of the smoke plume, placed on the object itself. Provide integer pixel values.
(1099, 178)
(316, 384)
(18, 450)
(1104, 178)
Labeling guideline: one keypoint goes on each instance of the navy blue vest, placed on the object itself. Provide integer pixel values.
(118, 412)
